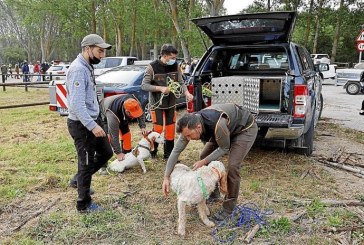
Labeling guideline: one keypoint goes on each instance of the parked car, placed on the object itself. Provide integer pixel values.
(352, 79)
(108, 63)
(56, 72)
(252, 63)
(128, 80)
(320, 58)
(328, 73)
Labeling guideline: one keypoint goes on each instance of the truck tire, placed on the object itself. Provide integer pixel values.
(353, 88)
(308, 139)
(319, 107)
(147, 113)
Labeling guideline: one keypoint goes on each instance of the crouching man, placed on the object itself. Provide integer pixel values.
(225, 128)
(118, 110)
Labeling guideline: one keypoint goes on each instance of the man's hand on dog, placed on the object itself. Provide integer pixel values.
(199, 164)
(121, 156)
(144, 131)
(166, 186)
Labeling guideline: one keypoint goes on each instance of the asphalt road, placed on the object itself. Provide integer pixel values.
(342, 108)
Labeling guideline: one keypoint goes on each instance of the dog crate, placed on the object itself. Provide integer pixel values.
(255, 94)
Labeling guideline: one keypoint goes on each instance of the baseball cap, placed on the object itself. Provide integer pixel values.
(96, 40)
(133, 106)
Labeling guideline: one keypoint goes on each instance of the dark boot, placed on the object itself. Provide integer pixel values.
(168, 147)
(215, 195)
(154, 152)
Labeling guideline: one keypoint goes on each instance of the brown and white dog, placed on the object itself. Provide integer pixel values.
(139, 154)
(193, 187)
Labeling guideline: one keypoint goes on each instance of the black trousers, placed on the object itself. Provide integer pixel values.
(92, 153)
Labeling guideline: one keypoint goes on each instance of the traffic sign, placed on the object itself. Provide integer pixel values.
(360, 46)
(360, 38)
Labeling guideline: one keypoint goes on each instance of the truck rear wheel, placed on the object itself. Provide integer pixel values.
(307, 139)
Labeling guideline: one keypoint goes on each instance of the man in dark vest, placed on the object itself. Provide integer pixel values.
(225, 128)
(158, 75)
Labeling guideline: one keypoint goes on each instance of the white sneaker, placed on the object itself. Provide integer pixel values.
(103, 171)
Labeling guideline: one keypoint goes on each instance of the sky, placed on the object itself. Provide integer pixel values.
(235, 6)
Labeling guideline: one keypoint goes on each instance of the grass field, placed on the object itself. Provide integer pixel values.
(37, 159)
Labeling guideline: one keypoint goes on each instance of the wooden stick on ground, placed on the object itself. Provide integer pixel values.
(36, 214)
(341, 229)
(297, 216)
(341, 166)
(250, 235)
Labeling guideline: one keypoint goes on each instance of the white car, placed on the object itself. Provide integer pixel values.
(320, 58)
(110, 62)
(56, 72)
(329, 75)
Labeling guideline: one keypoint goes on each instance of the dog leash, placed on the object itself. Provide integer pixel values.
(243, 218)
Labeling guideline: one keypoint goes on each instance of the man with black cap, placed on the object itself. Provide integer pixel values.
(84, 123)
(156, 79)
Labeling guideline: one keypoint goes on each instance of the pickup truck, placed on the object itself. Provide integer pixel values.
(253, 63)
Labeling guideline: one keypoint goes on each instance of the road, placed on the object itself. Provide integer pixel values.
(342, 108)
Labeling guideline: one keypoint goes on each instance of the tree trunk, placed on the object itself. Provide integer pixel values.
(314, 49)
(93, 17)
(268, 6)
(214, 6)
(133, 29)
(118, 40)
(173, 5)
(308, 21)
(156, 32)
(337, 32)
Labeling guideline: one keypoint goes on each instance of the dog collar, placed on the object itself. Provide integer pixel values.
(216, 172)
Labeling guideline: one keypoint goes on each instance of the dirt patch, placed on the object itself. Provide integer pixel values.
(333, 143)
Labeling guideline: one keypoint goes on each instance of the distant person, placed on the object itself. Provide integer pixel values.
(4, 72)
(84, 120)
(25, 71)
(193, 65)
(37, 70)
(17, 70)
(31, 71)
(43, 69)
(362, 109)
(10, 72)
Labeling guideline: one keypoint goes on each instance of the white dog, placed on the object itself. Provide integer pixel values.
(142, 152)
(192, 187)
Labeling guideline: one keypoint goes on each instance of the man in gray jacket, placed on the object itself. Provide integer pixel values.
(225, 128)
(84, 123)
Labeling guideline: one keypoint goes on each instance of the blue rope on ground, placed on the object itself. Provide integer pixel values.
(243, 218)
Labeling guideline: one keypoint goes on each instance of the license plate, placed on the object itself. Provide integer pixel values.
(62, 110)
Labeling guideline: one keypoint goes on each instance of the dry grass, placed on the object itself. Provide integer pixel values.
(37, 158)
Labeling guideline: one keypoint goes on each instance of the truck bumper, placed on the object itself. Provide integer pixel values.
(284, 133)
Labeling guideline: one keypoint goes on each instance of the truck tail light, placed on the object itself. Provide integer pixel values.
(300, 101)
(53, 108)
(107, 94)
(190, 106)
